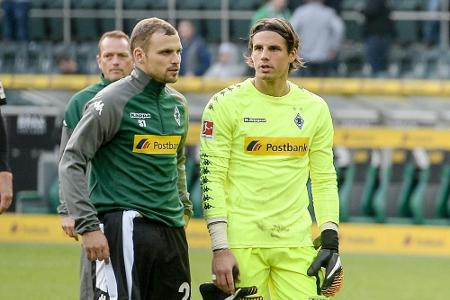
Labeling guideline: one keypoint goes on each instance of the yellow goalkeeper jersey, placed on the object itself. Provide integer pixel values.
(257, 153)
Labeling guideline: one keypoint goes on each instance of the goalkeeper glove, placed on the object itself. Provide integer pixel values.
(328, 258)
(211, 292)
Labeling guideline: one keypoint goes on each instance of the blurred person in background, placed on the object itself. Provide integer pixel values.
(272, 9)
(15, 19)
(431, 28)
(195, 58)
(6, 185)
(66, 64)
(131, 215)
(261, 140)
(321, 32)
(335, 4)
(378, 32)
(228, 63)
(115, 62)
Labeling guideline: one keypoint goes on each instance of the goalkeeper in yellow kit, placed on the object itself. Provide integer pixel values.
(261, 140)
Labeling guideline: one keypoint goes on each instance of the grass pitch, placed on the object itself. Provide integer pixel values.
(49, 271)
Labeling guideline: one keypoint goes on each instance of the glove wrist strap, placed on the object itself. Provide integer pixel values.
(330, 239)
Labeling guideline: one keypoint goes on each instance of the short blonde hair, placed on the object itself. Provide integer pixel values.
(117, 34)
(144, 30)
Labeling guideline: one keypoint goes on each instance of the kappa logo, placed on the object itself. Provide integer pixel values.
(98, 106)
(207, 129)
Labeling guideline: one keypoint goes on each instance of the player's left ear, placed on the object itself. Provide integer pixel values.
(139, 55)
(292, 56)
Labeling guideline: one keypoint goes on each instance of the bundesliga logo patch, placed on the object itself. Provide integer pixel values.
(207, 129)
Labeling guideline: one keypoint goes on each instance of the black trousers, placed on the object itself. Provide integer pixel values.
(149, 259)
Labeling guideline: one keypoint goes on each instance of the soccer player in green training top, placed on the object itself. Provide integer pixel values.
(261, 140)
(115, 62)
(132, 214)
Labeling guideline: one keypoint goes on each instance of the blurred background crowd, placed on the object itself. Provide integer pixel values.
(344, 38)
(394, 163)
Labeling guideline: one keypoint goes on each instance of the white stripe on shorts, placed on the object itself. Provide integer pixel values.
(128, 248)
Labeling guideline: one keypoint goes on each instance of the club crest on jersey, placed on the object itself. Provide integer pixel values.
(177, 116)
(208, 129)
(98, 106)
(299, 121)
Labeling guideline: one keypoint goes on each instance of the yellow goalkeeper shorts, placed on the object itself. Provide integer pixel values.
(278, 273)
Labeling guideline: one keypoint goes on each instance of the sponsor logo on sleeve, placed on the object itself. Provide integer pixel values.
(276, 146)
(156, 144)
(208, 129)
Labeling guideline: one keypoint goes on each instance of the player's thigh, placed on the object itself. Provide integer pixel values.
(289, 279)
(254, 270)
(161, 261)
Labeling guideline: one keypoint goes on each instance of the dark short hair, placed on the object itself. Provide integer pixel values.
(283, 28)
(144, 30)
(117, 34)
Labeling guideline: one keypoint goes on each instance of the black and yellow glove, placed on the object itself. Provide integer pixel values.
(328, 258)
(211, 292)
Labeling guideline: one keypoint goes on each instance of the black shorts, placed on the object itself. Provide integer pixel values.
(152, 255)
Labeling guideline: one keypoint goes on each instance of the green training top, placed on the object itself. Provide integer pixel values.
(72, 115)
(75, 107)
(133, 133)
(257, 153)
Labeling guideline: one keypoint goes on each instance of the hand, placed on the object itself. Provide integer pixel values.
(334, 275)
(6, 191)
(96, 246)
(328, 258)
(68, 225)
(186, 218)
(226, 270)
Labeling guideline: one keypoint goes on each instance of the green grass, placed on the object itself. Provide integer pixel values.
(47, 272)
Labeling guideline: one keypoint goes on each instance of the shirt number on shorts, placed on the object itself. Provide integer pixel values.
(186, 289)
